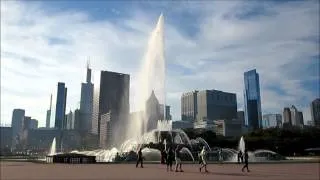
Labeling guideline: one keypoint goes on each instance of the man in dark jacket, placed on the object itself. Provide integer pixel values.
(140, 158)
(246, 158)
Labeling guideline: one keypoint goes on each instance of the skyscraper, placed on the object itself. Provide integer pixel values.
(252, 100)
(315, 112)
(216, 105)
(17, 125)
(48, 117)
(114, 98)
(189, 106)
(86, 103)
(271, 120)
(61, 106)
(153, 112)
(286, 121)
(296, 117)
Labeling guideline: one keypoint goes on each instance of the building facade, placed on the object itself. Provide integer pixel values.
(33, 124)
(252, 100)
(315, 112)
(215, 105)
(48, 117)
(105, 131)
(153, 113)
(271, 120)
(182, 125)
(86, 103)
(189, 106)
(17, 125)
(228, 128)
(296, 117)
(286, 118)
(5, 140)
(114, 98)
(60, 118)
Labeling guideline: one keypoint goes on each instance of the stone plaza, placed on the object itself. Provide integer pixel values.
(270, 171)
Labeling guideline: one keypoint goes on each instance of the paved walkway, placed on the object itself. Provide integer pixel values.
(28, 171)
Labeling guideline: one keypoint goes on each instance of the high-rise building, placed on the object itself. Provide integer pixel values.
(300, 119)
(153, 112)
(86, 103)
(189, 106)
(61, 106)
(17, 125)
(315, 112)
(70, 120)
(296, 117)
(48, 117)
(168, 114)
(33, 124)
(105, 131)
(216, 105)
(286, 121)
(271, 120)
(114, 98)
(252, 100)
(240, 116)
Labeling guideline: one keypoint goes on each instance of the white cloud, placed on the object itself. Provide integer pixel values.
(41, 48)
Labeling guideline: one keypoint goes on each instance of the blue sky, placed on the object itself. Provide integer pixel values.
(208, 45)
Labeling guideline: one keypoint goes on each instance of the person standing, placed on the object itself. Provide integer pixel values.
(140, 158)
(246, 158)
(203, 163)
(220, 156)
(178, 159)
(170, 157)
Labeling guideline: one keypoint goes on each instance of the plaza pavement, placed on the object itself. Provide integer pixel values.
(29, 170)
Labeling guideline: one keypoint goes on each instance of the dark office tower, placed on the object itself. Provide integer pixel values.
(114, 99)
(286, 121)
(168, 114)
(240, 117)
(189, 106)
(315, 112)
(48, 117)
(216, 105)
(33, 124)
(86, 103)
(252, 100)
(61, 106)
(300, 119)
(17, 126)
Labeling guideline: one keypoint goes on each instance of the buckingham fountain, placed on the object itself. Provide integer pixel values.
(149, 131)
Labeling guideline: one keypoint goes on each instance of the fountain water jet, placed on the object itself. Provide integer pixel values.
(242, 145)
(53, 147)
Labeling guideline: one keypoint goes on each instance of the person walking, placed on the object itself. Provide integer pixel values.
(240, 157)
(246, 158)
(178, 159)
(140, 158)
(170, 158)
(203, 163)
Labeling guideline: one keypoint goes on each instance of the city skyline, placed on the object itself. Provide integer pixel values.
(235, 39)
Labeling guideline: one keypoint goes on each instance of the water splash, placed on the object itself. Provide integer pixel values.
(150, 78)
(242, 145)
(53, 147)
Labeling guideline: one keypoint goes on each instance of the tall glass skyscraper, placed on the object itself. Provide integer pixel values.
(61, 106)
(252, 100)
(86, 103)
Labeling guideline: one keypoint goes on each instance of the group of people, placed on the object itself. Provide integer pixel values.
(167, 157)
